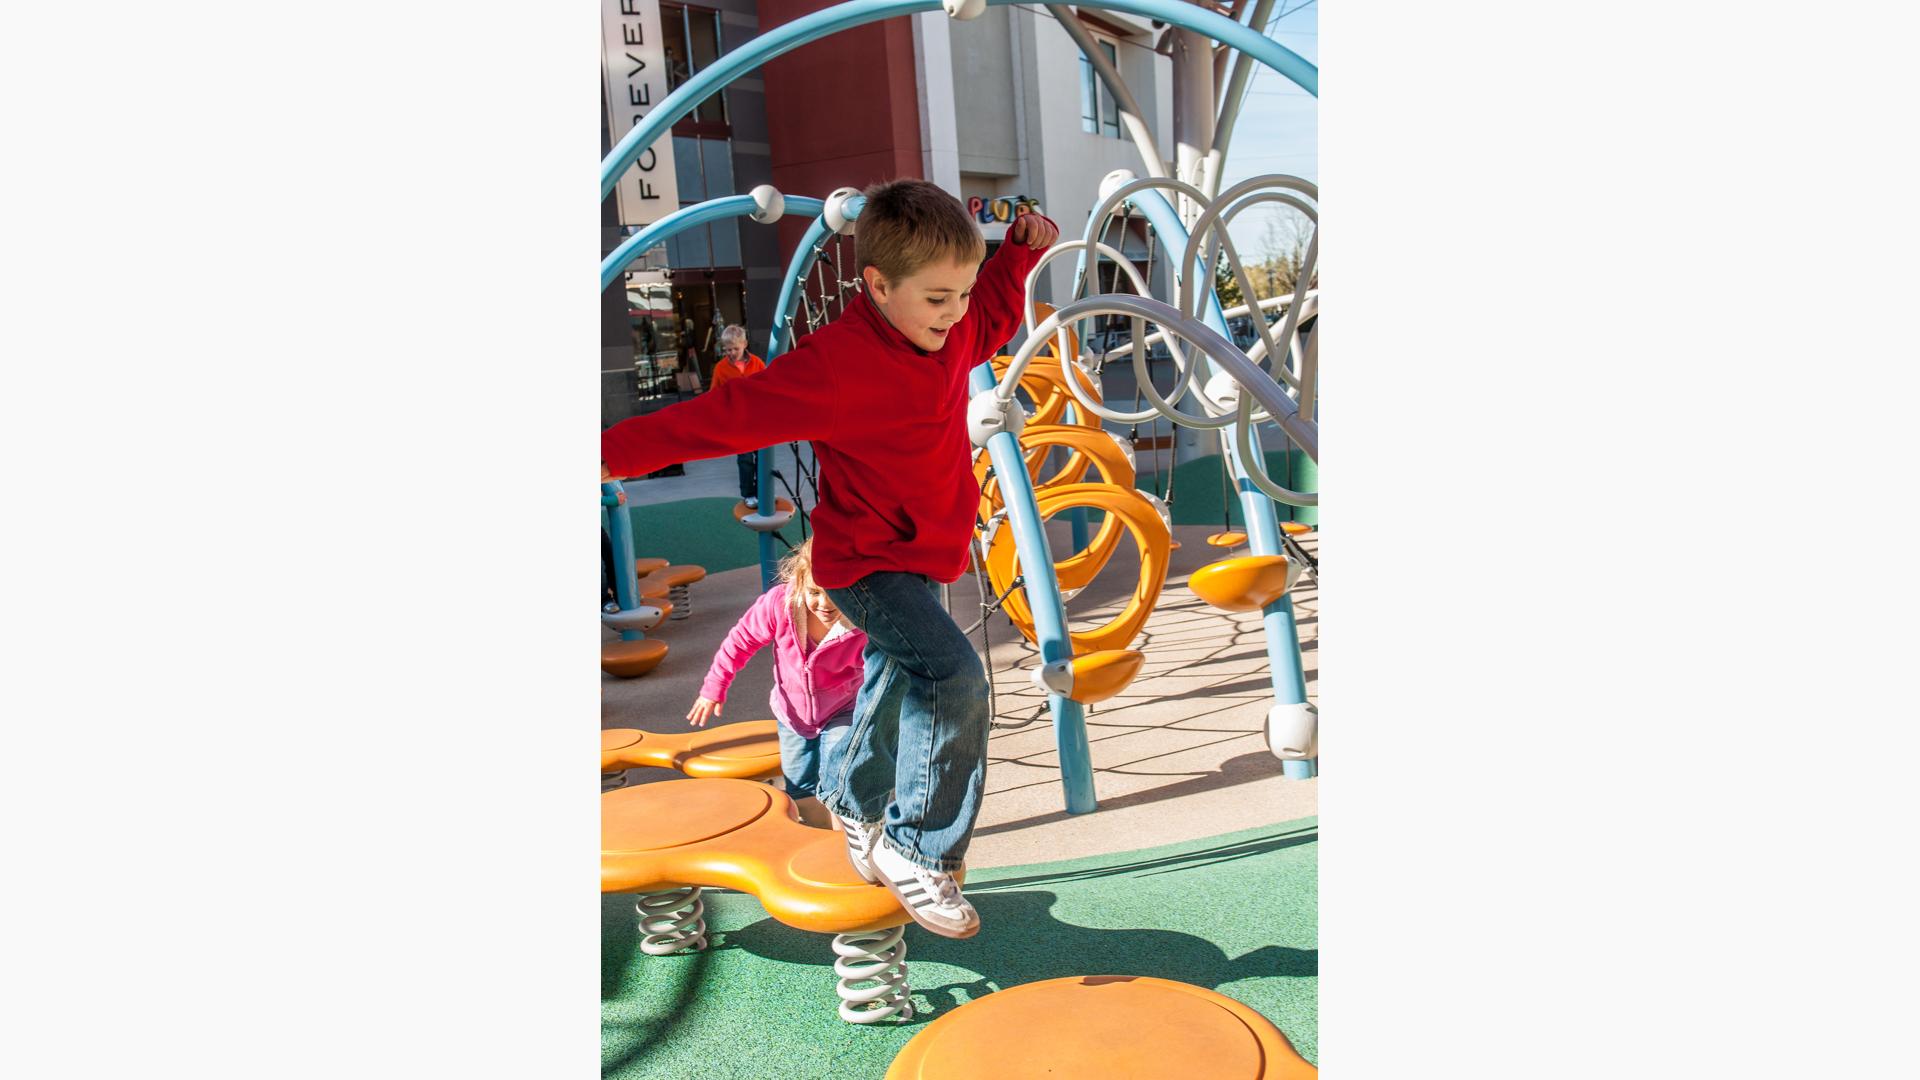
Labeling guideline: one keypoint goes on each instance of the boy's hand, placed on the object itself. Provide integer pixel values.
(702, 709)
(1034, 231)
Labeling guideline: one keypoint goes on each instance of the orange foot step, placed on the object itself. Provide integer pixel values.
(631, 659)
(749, 750)
(764, 520)
(1247, 583)
(642, 618)
(1093, 677)
(1295, 528)
(666, 841)
(1230, 538)
(1099, 1026)
(675, 580)
(645, 566)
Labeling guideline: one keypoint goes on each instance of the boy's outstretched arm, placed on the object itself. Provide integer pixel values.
(792, 399)
(1001, 290)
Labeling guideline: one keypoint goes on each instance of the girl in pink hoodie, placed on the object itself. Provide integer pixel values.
(817, 669)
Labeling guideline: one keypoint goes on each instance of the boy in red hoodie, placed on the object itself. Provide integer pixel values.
(881, 392)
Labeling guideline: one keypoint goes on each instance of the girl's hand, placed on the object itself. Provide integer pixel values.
(1034, 231)
(702, 709)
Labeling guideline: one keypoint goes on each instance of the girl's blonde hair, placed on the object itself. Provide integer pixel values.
(797, 571)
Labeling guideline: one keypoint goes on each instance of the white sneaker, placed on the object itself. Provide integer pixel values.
(930, 896)
(753, 503)
(860, 842)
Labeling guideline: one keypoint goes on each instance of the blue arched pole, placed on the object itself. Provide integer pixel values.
(783, 39)
(1042, 589)
(726, 206)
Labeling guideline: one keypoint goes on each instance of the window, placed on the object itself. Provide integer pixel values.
(692, 44)
(704, 170)
(1099, 112)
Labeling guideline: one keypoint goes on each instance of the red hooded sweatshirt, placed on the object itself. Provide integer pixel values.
(888, 422)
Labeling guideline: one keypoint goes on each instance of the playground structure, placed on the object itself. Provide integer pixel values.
(1273, 384)
(667, 841)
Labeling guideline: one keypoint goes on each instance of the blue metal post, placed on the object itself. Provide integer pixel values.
(1043, 596)
(626, 590)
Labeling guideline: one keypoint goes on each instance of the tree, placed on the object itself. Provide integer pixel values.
(1283, 252)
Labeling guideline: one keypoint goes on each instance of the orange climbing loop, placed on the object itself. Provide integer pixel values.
(1149, 533)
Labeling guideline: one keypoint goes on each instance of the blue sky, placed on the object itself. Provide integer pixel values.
(1279, 126)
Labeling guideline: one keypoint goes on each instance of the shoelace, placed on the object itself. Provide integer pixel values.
(941, 887)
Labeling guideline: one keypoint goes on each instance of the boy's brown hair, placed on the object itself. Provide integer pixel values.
(908, 224)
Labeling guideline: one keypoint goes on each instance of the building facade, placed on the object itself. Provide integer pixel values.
(1002, 111)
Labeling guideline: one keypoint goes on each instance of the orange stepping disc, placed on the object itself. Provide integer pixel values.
(740, 508)
(1295, 528)
(671, 576)
(1247, 583)
(630, 659)
(1227, 539)
(748, 750)
(643, 567)
(737, 834)
(1097, 1027)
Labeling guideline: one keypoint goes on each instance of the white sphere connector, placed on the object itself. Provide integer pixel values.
(836, 210)
(964, 10)
(988, 416)
(1056, 677)
(1293, 732)
(768, 204)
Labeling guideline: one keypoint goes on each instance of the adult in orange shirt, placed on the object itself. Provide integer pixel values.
(737, 363)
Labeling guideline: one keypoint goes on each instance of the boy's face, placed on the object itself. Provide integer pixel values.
(734, 350)
(926, 303)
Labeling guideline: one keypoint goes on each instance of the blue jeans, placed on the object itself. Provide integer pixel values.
(749, 465)
(802, 760)
(917, 756)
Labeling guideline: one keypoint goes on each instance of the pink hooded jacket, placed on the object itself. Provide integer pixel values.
(809, 688)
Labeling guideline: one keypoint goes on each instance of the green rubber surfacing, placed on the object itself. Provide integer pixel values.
(1235, 913)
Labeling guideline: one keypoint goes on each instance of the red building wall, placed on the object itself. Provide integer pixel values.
(842, 111)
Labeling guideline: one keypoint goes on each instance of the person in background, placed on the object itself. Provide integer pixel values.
(737, 363)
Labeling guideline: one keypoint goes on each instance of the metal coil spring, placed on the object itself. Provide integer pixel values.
(877, 957)
(612, 781)
(682, 602)
(672, 921)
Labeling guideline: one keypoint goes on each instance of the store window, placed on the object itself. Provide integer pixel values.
(704, 170)
(692, 44)
(1099, 112)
